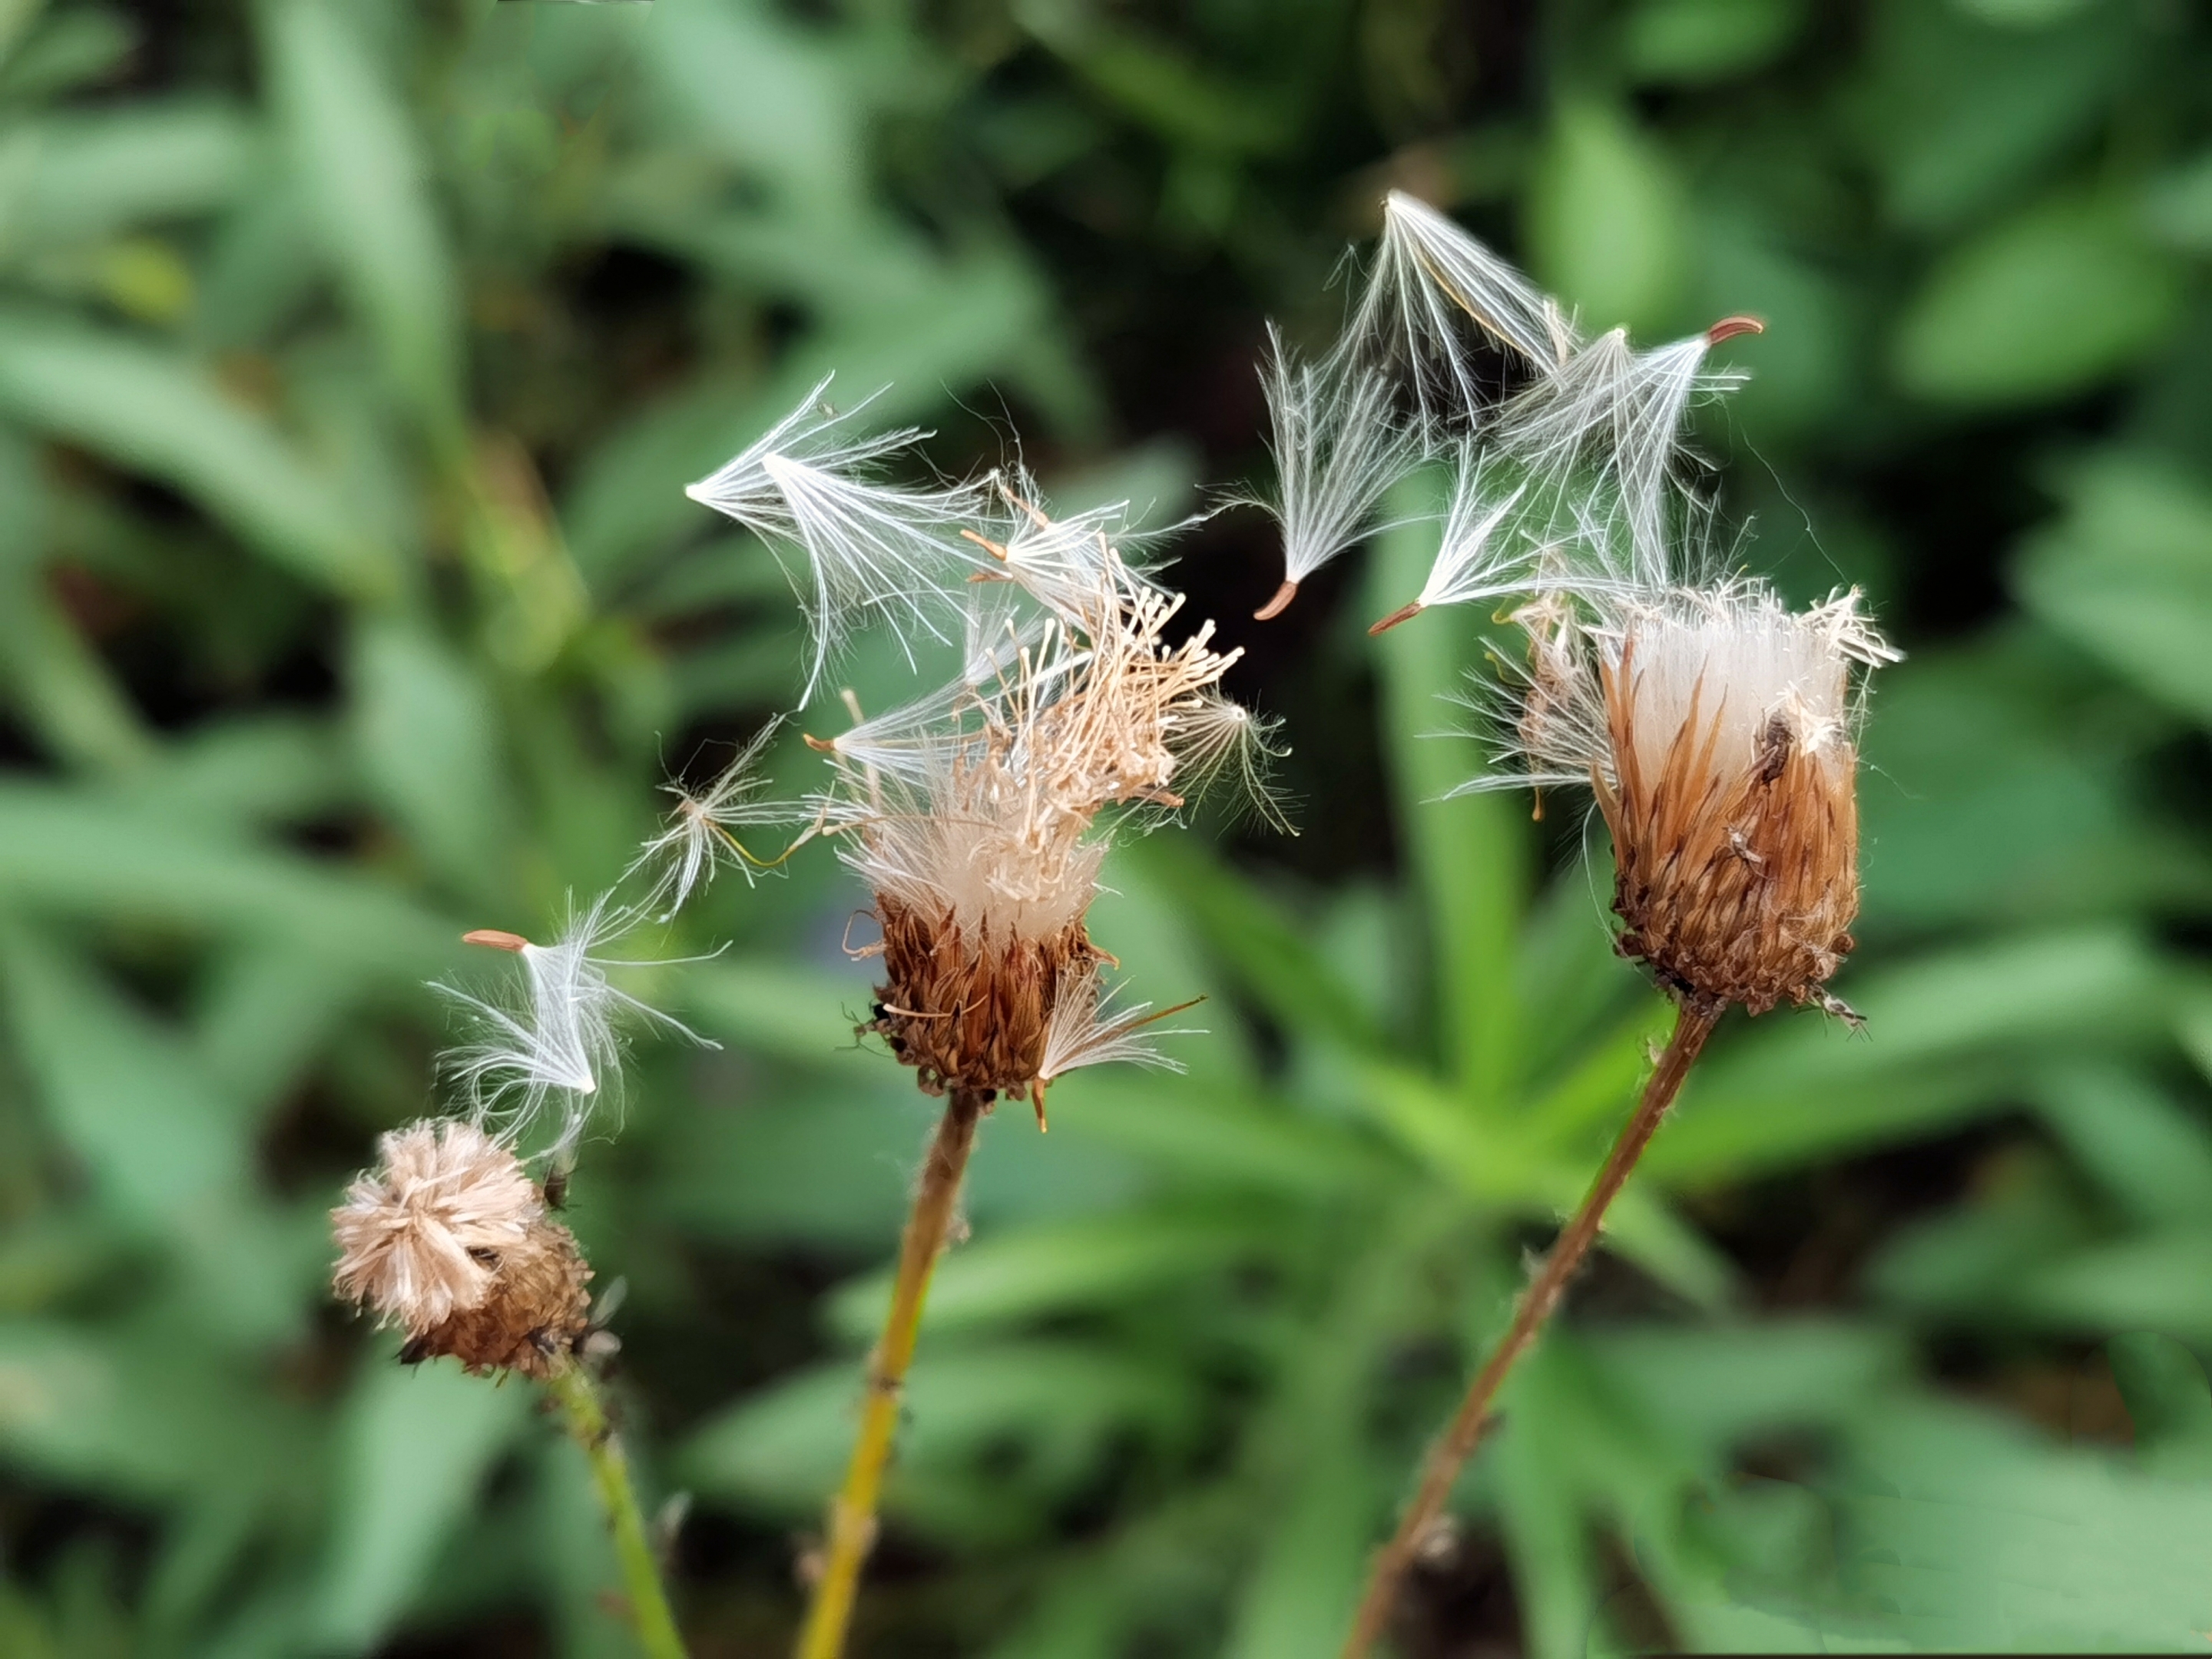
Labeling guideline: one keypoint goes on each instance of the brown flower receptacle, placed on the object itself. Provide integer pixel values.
(1736, 873)
(971, 1011)
(536, 1312)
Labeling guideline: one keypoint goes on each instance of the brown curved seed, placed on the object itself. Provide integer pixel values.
(1280, 602)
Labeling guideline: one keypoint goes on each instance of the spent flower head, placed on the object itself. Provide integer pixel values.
(448, 1239)
(1715, 726)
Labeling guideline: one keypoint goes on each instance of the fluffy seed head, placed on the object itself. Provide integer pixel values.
(448, 1240)
(1730, 792)
(416, 1237)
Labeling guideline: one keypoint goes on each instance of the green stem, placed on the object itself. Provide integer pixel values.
(852, 1512)
(585, 1415)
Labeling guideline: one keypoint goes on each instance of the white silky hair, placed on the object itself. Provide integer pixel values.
(1485, 551)
(871, 548)
(1221, 746)
(1604, 434)
(557, 1045)
(1736, 659)
(1431, 280)
(1733, 654)
(692, 844)
(1337, 449)
(1086, 1031)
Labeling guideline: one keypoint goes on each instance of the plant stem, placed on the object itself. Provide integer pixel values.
(1451, 1450)
(586, 1417)
(853, 1511)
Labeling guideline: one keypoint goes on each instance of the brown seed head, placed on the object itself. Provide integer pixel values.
(1732, 801)
(448, 1240)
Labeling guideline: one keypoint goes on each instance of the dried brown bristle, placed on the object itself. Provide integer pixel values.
(971, 1011)
(1737, 875)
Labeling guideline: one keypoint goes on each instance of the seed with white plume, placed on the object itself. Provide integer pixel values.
(1431, 280)
(871, 548)
(1602, 436)
(448, 1240)
(559, 1041)
(701, 834)
(1337, 450)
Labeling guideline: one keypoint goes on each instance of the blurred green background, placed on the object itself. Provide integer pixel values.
(352, 356)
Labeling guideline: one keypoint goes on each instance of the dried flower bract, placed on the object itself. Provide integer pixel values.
(1731, 795)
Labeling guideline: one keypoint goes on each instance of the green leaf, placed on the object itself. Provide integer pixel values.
(1471, 851)
(354, 152)
(429, 738)
(1032, 1272)
(2145, 1150)
(1974, 1534)
(166, 416)
(1695, 42)
(2169, 1404)
(81, 854)
(1607, 221)
(2047, 304)
(1943, 1035)
(2127, 572)
(992, 1434)
(93, 175)
(416, 1442)
(1261, 948)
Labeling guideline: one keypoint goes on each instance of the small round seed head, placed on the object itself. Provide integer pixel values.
(448, 1241)
(418, 1237)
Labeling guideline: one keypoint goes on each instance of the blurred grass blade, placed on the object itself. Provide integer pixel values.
(153, 411)
(356, 155)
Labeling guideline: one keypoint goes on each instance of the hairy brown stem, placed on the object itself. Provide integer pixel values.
(1451, 1450)
(853, 1511)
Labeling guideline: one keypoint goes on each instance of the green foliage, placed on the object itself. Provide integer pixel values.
(352, 359)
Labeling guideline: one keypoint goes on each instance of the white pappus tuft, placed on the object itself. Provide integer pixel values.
(701, 834)
(1431, 280)
(1086, 1031)
(1337, 451)
(871, 548)
(560, 1040)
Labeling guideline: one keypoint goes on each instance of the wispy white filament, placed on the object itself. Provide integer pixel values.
(1431, 280)
(699, 835)
(873, 549)
(556, 1047)
(1337, 453)
(1084, 1032)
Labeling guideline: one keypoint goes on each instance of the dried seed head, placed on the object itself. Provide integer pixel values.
(1730, 792)
(448, 1241)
